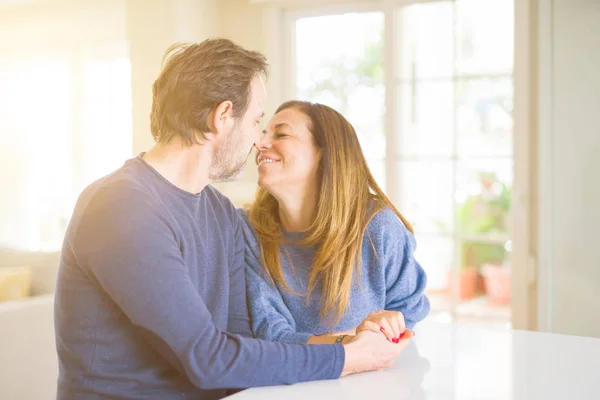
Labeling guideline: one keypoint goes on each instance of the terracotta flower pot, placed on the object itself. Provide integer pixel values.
(497, 283)
(467, 281)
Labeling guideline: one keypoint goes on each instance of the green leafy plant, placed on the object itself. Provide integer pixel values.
(485, 213)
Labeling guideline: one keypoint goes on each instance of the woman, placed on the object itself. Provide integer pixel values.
(326, 249)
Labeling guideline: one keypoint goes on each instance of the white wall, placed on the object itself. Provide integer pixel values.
(153, 26)
(570, 169)
(253, 27)
(61, 24)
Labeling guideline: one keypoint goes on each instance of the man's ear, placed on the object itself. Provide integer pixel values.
(218, 120)
(222, 118)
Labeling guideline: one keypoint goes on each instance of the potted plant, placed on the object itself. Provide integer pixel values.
(485, 212)
(498, 279)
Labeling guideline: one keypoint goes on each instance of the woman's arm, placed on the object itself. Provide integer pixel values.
(271, 319)
(330, 338)
(405, 279)
(389, 250)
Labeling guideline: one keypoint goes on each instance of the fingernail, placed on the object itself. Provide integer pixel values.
(381, 329)
(394, 340)
(401, 335)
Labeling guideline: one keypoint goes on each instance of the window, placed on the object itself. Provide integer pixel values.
(344, 69)
(446, 157)
(65, 120)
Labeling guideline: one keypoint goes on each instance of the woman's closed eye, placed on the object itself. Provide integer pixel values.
(280, 135)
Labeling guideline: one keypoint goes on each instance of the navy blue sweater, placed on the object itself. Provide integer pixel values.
(150, 299)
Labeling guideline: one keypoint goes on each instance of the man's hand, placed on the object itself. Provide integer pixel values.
(370, 351)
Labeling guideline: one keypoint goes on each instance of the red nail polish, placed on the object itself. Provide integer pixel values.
(381, 329)
(401, 335)
(394, 340)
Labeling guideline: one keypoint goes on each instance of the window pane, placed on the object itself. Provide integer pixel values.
(107, 133)
(377, 168)
(484, 117)
(484, 37)
(339, 62)
(435, 253)
(425, 112)
(484, 196)
(486, 267)
(476, 254)
(425, 189)
(82, 130)
(425, 40)
(35, 142)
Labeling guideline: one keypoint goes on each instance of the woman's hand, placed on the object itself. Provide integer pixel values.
(390, 323)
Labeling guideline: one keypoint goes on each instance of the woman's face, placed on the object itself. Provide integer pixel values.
(288, 156)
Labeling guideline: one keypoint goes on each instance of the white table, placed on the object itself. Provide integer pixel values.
(447, 361)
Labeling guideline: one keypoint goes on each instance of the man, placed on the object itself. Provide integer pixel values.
(150, 299)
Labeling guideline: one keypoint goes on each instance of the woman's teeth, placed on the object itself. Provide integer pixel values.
(266, 160)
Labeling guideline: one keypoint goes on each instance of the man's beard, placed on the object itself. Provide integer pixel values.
(227, 163)
(227, 175)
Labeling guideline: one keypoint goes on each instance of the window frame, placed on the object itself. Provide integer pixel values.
(289, 15)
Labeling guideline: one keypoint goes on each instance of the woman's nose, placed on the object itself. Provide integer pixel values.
(264, 142)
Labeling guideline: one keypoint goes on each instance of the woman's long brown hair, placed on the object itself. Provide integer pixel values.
(348, 198)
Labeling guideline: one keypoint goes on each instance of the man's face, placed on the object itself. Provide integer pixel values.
(231, 152)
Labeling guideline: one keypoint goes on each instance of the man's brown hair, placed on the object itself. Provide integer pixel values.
(195, 79)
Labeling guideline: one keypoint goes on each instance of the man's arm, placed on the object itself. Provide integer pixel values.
(239, 318)
(130, 249)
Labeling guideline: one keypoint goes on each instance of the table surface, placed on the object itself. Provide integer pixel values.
(454, 361)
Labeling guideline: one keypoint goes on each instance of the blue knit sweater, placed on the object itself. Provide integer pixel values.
(150, 300)
(390, 278)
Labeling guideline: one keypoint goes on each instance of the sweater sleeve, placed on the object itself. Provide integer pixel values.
(126, 243)
(405, 279)
(239, 318)
(271, 319)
